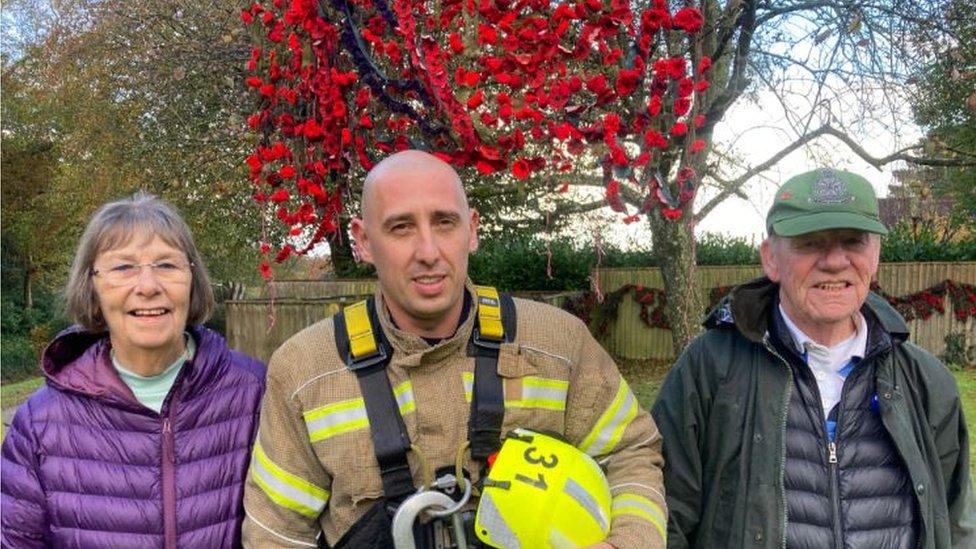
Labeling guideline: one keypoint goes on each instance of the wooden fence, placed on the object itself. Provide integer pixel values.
(629, 337)
(259, 325)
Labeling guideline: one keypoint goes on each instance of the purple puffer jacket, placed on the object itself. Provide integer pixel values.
(85, 465)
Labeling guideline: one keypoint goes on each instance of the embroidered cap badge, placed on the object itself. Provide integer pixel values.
(829, 189)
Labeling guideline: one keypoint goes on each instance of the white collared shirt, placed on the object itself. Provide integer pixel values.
(829, 364)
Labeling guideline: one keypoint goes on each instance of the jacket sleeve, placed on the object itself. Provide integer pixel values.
(24, 513)
(952, 440)
(286, 488)
(604, 419)
(678, 413)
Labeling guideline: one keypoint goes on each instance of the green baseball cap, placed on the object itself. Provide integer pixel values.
(824, 199)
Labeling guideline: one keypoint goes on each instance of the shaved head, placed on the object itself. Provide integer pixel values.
(417, 230)
(390, 171)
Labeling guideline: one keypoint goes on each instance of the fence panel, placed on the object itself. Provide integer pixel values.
(629, 337)
(301, 303)
(309, 289)
(249, 321)
(259, 326)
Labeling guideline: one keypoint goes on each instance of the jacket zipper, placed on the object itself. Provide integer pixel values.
(783, 424)
(835, 494)
(169, 486)
(169, 408)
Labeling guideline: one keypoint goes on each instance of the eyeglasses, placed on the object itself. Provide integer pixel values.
(128, 273)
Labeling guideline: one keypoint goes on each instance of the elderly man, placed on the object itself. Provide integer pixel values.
(349, 430)
(803, 417)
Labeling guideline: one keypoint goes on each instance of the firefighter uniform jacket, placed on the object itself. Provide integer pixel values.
(314, 470)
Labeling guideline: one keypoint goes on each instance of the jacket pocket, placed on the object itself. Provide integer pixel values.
(536, 387)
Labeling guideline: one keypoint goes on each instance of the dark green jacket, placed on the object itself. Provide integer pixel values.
(722, 414)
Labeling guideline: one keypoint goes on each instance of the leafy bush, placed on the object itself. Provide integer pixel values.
(25, 331)
(956, 354)
(718, 249)
(902, 244)
(518, 262)
(19, 358)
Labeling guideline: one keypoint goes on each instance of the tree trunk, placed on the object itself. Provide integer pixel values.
(29, 271)
(343, 261)
(674, 249)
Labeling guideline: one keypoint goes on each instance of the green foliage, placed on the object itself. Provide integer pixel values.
(521, 262)
(24, 331)
(718, 249)
(956, 354)
(944, 103)
(524, 262)
(110, 97)
(19, 358)
(904, 243)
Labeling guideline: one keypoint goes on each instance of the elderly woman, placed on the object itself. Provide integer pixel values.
(142, 435)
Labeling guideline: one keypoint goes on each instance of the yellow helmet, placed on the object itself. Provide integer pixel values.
(542, 492)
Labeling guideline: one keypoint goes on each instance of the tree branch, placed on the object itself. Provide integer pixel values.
(733, 187)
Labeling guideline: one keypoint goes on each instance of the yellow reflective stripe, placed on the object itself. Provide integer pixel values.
(360, 330)
(286, 489)
(609, 429)
(467, 378)
(489, 313)
(539, 392)
(404, 397)
(349, 415)
(632, 504)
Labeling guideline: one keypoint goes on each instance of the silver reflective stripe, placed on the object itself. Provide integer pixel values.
(334, 419)
(312, 504)
(547, 393)
(558, 540)
(492, 521)
(586, 501)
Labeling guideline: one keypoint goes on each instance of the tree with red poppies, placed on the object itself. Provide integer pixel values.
(608, 94)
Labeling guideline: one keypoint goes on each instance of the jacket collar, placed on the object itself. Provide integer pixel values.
(78, 361)
(410, 349)
(748, 307)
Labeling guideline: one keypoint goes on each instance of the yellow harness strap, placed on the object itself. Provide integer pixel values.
(362, 342)
(489, 313)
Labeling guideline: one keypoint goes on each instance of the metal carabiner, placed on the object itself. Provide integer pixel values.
(435, 504)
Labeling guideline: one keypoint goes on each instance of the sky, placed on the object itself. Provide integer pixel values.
(755, 131)
(758, 133)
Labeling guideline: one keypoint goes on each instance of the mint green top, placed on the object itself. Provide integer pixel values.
(152, 391)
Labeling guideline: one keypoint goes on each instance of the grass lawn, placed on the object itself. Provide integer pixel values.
(967, 389)
(645, 379)
(12, 394)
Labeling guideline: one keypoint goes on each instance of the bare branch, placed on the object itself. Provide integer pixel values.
(734, 186)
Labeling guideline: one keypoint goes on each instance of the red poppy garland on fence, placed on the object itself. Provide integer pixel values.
(919, 305)
(510, 88)
(923, 304)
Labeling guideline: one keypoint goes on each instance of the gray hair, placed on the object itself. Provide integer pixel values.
(114, 225)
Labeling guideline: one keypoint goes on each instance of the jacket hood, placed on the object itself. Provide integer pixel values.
(79, 361)
(747, 309)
